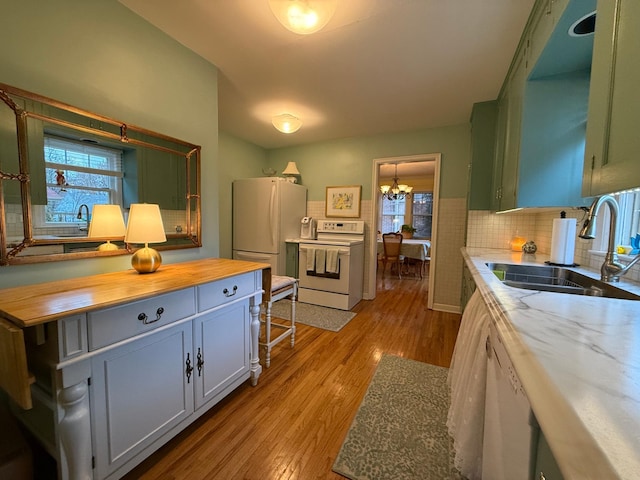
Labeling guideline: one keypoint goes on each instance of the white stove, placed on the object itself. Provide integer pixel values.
(331, 267)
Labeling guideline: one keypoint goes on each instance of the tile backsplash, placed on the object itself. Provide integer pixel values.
(486, 229)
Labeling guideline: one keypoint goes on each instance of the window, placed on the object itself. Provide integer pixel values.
(422, 210)
(78, 173)
(393, 213)
(628, 221)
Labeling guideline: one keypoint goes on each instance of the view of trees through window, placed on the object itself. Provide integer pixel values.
(76, 174)
(393, 213)
(628, 221)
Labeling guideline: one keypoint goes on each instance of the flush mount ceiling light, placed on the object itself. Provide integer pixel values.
(395, 191)
(286, 123)
(303, 16)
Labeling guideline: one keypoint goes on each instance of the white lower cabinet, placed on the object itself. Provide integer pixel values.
(222, 347)
(142, 390)
(138, 392)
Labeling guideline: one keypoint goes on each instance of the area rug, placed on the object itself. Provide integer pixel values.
(313, 315)
(400, 431)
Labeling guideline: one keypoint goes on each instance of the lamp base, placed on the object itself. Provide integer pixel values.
(146, 260)
(108, 247)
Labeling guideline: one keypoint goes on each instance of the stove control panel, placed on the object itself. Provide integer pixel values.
(341, 226)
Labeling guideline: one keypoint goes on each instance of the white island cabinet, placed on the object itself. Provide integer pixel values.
(117, 377)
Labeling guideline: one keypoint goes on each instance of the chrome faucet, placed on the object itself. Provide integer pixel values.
(87, 217)
(611, 269)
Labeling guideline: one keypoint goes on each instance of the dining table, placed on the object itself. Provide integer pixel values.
(412, 248)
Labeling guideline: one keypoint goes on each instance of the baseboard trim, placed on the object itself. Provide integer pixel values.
(441, 307)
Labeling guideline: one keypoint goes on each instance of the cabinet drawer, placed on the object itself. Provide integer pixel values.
(222, 291)
(118, 323)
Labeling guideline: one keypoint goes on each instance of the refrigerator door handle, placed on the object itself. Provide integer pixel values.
(272, 214)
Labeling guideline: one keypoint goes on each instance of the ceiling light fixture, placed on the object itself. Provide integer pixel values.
(395, 191)
(286, 123)
(303, 16)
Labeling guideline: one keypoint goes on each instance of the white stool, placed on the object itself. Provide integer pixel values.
(281, 287)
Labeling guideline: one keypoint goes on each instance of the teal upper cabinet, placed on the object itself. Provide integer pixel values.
(511, 157)
(611, 155)
(483, 133)
(542, 112)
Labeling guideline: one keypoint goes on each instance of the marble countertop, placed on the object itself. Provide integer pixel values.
(578, 358)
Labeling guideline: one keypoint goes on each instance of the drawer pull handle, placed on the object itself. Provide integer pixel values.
(144, 319)
(227, 294)
(200, 362)
(189, 369)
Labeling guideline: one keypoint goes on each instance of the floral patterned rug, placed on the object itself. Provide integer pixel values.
(313, 315)
(400, 431)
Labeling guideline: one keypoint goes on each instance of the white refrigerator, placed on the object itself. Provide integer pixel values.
(266, 211)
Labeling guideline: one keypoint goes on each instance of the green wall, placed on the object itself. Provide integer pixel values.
(344, 162)
(100, 56)
(350, 161)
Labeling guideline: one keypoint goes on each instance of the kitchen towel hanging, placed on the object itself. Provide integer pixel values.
(563, 240)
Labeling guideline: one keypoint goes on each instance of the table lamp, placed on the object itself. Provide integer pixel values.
(106, 221)
(145, 226)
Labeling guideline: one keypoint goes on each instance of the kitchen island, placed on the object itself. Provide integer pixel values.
(578, 358)
(105, 369)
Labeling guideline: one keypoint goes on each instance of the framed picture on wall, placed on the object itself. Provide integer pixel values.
(344, 201)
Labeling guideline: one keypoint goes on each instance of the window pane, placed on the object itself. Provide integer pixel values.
(422, 208)
(392, 215)
(78, 174)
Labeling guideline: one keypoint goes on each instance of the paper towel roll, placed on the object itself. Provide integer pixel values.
(563, 241)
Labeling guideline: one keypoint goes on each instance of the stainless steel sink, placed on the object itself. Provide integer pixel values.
(556, 279)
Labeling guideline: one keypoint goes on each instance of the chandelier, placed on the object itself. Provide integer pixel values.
(395, 191)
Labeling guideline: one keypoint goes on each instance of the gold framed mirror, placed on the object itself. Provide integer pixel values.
(58, 161)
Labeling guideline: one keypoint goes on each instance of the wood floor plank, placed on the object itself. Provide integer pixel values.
(292, 425)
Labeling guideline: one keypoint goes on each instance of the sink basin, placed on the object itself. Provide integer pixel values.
(556, 279)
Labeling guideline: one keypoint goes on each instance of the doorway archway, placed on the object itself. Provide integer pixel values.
(373, 221)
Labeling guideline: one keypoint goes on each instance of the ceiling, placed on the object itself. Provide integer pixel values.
(379, 66)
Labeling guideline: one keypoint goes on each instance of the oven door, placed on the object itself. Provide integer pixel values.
(324, 282)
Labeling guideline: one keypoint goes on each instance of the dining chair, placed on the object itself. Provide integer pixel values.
(392, 243)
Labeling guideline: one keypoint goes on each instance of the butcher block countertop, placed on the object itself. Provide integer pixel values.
(32, 305)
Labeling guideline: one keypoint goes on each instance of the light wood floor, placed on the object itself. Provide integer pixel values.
(291, 426)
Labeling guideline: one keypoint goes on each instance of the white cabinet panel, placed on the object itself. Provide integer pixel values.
(111, 325)
(139, 392)
(222, 347)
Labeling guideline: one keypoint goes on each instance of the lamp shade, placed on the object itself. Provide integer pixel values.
(292, 169)
(303, 16)
(106, 221)
(145, 224)
(286, 123)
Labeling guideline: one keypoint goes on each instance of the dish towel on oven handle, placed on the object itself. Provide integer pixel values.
(332, 260)
(321, 255)
(311, 258)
